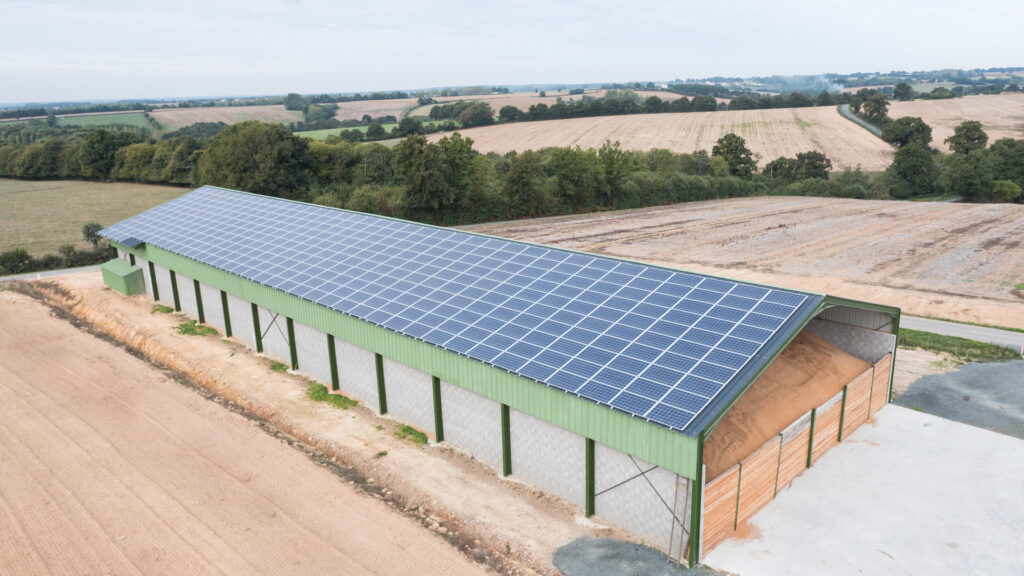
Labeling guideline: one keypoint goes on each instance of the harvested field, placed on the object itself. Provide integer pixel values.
(956, 261)
(770, 133)
(375, 108)
(523, 100)
(111, 467)
(174, 118)
(41, 216)
(807, 373)
(1001, 115)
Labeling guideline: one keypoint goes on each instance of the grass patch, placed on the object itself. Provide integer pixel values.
(1019, 287)
(993, 326)
(962, 349)
(136, 119)
(382, 453)
(278, 367)
(162, 309)
(191, 328)
(320, 393)
(409, 433)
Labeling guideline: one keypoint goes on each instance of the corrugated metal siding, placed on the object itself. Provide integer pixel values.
(661, 446)
(122, 277)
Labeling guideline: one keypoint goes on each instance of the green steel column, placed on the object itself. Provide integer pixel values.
(227, 313)
(333, 356)
(696, 508)
(778, 467)
(131, 259)
(810, 443)
(590, 498)
(739, 485)
(842, 414)
(291, 344)
(152, 281)
(435, 383)
(174, 291)
(506, 441)
(382, 393)
(256, 327)
(199, 301)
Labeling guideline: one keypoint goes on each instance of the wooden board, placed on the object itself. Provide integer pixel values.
(757, 480)
(826, 427)
(719, 508)
(794, 456)
(858, 398)
(880, 386)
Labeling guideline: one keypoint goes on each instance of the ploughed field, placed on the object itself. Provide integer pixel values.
(1001, 115)
(768, 133)
(958, 261)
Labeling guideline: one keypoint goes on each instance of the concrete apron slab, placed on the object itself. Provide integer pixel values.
(909, 493)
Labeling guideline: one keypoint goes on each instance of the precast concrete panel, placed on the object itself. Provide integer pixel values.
(274, 328)
(241, 321)
(311, 348)
(144, 264)
(472, 423)
(212, 307)
(548, 457)
(868, 345)
(187, 296)
(410, 395)
(163, 282)
(641, 504)
(357, 373)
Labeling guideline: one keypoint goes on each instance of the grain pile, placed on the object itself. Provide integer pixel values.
(808, 372)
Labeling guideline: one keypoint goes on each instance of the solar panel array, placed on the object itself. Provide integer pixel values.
(654, 343)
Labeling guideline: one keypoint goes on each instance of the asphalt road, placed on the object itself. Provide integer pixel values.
(845, 111)
(1014, 340)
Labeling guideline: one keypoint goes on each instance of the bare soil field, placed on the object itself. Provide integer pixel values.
(1001, 115)
(42, 215)
(111, 467)
(956, 261)
(523, 100)
(375, 108)
(174, 118)
(769, 133)
(502, 522)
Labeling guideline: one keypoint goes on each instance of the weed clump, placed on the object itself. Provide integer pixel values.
(413, 435)
(319, 393)
(191, 328)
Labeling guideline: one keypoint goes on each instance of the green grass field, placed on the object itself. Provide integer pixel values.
(137, 119)
(41, 216)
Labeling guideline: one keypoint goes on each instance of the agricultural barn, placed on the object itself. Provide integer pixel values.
(672, 404)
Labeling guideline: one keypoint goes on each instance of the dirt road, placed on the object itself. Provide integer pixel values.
(956, 261)
(109, 467)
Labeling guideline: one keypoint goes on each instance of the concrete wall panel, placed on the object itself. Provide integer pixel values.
(187, 296)
(472, 423)
(357, 373)
(314, 357)
(548, 457)
(144, 264)
(275, 336)
(410, 396)
(639, 504)
(241, 321)
(163, 282)
(868, 345)
(212, 307)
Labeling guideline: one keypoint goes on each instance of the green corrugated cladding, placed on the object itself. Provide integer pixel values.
(123, 277)
(655, 444)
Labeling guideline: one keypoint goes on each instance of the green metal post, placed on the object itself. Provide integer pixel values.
(591, 489)
(435, 383)
(778, 467)
(131, 259)
(227, 313)
(842, 414)
(333, 357)
(152, 281)
(291, 344)
(739, 485)
(199, 301)
(697, 506)
(256, 327)
(810, 443)
(382, 393)
(506, 441)
(174, 291)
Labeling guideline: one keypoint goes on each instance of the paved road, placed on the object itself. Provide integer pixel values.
(1006, 338)
(845, 111)
(44, 274)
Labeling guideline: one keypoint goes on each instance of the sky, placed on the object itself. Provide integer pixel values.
(87, 50)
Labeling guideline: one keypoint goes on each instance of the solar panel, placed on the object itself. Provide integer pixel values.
(654, 343)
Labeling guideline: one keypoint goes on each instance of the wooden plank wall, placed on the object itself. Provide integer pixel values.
(744, 489)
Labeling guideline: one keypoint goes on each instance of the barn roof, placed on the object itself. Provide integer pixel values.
(667, 346)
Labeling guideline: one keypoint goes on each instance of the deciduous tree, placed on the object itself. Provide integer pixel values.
(968, 137)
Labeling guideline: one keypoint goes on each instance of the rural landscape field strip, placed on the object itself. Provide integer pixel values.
(110, 467)
(960, 261)
(769, 133)
(1001, 115)
(174, 118)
